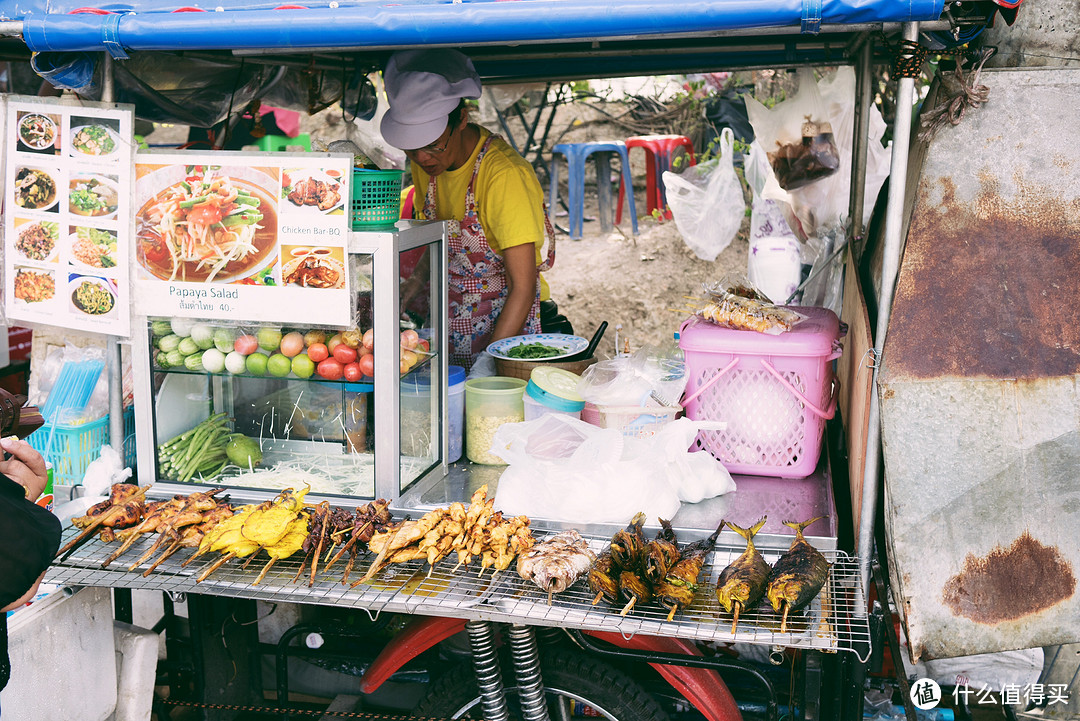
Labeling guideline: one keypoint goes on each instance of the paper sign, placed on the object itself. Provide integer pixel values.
(243, 236)
(67, 219)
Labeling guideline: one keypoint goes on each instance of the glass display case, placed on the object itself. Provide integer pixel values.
(257, 406)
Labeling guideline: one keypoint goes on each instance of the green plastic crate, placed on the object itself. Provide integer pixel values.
(376, 198)
(74, 447)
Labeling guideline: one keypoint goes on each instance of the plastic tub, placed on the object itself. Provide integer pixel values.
(456, 413)
(489, 403)
(416, 421)
(552, 390)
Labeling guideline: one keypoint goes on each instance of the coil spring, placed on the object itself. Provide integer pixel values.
(527, 671)
(488, 673)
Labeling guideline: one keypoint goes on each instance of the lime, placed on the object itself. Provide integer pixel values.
(256, 364)
(279, 365)
(303, 366)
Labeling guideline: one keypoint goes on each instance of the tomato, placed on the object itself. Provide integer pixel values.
(367, 365)
(318, 352)
(205, 214)
(246, 344)
(352, 372)
(155, 250)
(286, 181)
(329, 369)
(344, 354)
(423, 345)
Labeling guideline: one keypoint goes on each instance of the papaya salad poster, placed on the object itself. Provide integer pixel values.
(67, 193)
(242, 236)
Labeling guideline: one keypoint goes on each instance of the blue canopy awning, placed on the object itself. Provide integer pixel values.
(121, 27)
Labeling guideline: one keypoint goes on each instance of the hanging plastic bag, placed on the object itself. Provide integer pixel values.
(707, 201)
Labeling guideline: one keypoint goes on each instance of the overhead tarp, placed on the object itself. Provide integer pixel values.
(119, 27)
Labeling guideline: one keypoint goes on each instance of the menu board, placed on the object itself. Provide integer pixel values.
(243, 236)
(67, 217)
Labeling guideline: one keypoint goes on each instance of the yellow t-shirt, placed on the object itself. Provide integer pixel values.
(509, 199)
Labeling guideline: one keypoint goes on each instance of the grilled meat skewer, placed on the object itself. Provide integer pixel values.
(742, 583)
(798, 575)
(628, 545)
(554, 564)
(661, 553)
(604, 578)
(677, 589)
(634, 589)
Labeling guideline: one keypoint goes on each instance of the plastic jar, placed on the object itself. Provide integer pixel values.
(416, 421)
(356, 416)
(552, 390)
(456, 412)
(489, 403)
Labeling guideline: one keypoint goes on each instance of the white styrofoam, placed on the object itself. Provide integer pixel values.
(136, 659)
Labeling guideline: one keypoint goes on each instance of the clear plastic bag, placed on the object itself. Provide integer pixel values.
(707, 202)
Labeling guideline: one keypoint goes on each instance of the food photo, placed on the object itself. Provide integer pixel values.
(313, 266)
(38, 132)
(93, 248)
(33, 285)
(93, 196)
(94, 137)
(36, 239)
(92, 295)
(35, 188)
(310, 189)
(206, 224)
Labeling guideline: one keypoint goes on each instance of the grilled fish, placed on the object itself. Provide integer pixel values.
(628, 545)
(677, 589)
(634, 590)
(798, 575)
(742, 583)
(661, 553)
(604, 578)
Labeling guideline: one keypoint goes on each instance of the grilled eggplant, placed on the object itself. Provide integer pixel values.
(677, 589)
(634, 590)
(628, 545)
(743, 582)
(661, 553)
(604, 578)
(798, 575)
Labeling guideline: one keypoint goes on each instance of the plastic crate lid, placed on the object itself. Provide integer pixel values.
(455, 377)
(812, 337)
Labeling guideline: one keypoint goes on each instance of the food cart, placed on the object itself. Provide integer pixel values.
(507, 43)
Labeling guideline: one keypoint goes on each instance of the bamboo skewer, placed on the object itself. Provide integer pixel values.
(671, 615)
(627, 607)
(215, 566)
(735, 621)
(168, 552)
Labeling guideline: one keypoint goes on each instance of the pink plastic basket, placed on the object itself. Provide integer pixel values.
(775, 392)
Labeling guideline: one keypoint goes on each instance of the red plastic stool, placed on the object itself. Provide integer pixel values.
(659, 150)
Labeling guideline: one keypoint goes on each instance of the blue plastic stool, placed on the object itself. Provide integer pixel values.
(273, 143)
(576, 154)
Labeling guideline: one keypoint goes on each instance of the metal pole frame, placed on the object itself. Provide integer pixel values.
(889, 270)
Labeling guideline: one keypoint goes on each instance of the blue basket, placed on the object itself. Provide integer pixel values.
(73, 448)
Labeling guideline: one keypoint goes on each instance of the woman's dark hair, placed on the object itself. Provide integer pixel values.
(454, 119)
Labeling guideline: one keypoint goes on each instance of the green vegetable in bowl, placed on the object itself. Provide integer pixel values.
(534, 350)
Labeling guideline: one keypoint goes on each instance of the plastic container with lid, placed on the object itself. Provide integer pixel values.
(489, 403)
(552, 390)
(416, 420)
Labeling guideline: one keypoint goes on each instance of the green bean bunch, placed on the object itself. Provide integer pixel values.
(197, 452)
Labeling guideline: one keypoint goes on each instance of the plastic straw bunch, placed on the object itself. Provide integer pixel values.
(72, 391)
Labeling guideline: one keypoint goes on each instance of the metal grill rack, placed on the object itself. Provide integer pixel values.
(834, 621)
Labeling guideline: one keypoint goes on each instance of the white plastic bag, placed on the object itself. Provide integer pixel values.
(105, 470)
(707, 201)
(564, 469)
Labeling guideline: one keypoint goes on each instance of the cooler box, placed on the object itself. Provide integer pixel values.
(775, 392)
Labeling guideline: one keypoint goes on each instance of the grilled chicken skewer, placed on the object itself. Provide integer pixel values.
(604, 578)
(661, 553)
(798, 575)
(125, 511)
(677, 589)
(742, 583)
(192, 536)
(189, 511)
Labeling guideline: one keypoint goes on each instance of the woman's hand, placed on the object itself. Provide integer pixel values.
(25, 466)
(520, 262)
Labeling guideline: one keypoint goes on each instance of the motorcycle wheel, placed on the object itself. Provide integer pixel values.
(569, 679)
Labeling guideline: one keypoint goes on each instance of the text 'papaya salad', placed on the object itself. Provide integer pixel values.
(207, 219)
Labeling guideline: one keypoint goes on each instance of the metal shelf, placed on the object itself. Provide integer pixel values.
(835, 621)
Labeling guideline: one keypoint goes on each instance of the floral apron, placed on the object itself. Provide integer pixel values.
(477, 276)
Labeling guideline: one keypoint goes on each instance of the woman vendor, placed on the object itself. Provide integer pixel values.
(487, 192)
(29, 534)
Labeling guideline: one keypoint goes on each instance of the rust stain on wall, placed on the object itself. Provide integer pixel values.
(1010, 583)
(988, 286)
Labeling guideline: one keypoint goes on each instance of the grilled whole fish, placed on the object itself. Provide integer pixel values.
(742, 583)
(604, 578)
(554, 564)
(634, 590)
(661, 553)
(677, 589)
(798, 575)
(628, 545)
